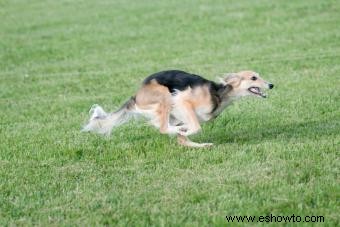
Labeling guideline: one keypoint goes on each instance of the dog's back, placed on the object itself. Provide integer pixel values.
(176, 80)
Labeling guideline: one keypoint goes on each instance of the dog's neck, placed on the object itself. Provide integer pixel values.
(226, 96)
(223, 97)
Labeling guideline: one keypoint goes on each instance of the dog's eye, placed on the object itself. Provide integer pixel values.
(253, 78)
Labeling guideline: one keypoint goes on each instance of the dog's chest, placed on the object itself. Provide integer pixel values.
(203, 113)
(206, 114)
(220, 108)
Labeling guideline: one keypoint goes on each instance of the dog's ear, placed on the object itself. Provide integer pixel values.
(224, 90)
(232, 79)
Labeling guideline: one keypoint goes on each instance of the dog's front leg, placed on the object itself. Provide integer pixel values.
(190, 126)
(188, 116)
(185, 141)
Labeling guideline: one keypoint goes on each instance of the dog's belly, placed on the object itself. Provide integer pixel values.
(203, 114)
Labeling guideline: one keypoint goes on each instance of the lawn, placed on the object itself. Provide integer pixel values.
(276, 156)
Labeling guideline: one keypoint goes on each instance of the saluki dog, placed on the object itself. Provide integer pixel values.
(176, 102)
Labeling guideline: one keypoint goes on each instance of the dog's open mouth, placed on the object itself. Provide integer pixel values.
(257, 91)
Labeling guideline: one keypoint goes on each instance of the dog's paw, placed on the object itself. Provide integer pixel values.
(207, 144)
(173, 130)
(183, 131)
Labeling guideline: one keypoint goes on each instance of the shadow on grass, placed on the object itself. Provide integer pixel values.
(310, 130)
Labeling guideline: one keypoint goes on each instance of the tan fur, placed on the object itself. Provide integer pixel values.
(156, 99)
(152, 93)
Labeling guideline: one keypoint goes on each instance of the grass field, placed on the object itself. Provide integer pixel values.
(276, 156)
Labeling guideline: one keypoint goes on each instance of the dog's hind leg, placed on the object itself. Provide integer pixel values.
(163, 119)
(154, 101)
(185, 141)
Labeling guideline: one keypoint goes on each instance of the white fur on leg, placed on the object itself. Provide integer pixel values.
(171, 130)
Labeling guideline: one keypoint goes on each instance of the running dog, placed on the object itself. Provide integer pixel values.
(176, 102)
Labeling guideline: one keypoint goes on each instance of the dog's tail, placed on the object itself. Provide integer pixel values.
(103, 123)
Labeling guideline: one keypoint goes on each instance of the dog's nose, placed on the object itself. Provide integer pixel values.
(271, 86)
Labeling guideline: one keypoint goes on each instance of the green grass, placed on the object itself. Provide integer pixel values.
(276, 156)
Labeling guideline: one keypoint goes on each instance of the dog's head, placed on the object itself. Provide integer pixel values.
(246, 83)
